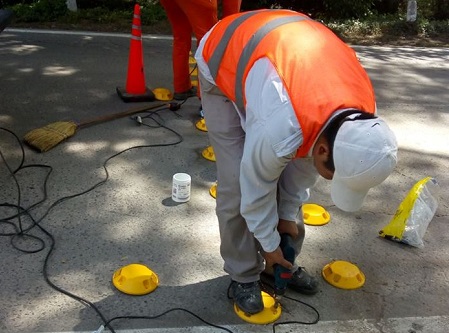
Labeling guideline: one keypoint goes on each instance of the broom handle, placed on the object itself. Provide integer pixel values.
(118, 115)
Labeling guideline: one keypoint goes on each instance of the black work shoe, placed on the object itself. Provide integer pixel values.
(179, 96)
(247, 296)
(303, 283)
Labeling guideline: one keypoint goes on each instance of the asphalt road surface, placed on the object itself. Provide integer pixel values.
(107, 200)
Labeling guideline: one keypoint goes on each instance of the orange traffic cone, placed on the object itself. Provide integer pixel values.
(135, 90)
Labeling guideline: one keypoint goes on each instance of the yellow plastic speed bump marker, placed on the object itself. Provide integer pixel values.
(343, 275)
(162, 94)
(135, 279)
(269, 314)
(315, 215)
(213, 191)
(208, 153)
(201, 125)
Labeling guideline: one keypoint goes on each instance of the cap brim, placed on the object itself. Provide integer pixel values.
(345, 198)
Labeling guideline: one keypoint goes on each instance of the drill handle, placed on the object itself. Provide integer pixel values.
(281, 274)
(288, 247)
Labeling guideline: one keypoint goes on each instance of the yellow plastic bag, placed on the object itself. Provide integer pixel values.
(414, 214)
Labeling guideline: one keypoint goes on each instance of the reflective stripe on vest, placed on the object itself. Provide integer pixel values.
(320, 73)
(216, 58)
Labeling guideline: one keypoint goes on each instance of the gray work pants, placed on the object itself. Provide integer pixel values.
(239, 249)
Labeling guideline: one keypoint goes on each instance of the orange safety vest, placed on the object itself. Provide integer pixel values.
(319, 71)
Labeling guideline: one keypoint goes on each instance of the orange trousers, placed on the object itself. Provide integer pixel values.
(230, 7)
(187, 17)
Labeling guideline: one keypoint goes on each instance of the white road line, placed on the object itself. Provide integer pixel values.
(434, 324)
(86, 33)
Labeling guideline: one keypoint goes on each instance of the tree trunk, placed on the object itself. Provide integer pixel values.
(71, 5)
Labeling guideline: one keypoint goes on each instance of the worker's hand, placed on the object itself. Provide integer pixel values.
(288, 227)
(276, 257)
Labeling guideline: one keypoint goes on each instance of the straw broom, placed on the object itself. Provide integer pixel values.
(52, 134)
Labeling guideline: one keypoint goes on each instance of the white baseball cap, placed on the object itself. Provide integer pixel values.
(365, 154)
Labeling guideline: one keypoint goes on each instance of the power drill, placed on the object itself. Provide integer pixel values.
(281, 274)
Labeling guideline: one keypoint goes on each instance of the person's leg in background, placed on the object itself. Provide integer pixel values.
(182, 43)
(229, 7)
(202, 15)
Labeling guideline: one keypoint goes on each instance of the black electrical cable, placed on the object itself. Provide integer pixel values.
(20, 232)
(168, 311)
(22, 167)
(21, 210)
(22, 160)
(316, 320)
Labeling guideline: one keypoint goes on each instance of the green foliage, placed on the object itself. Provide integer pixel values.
(56, 11)
(10, 3)
(152, 12)
(347, 9)
(252, 5)
(442, 10)
(426, 8)
(433, 28)
(345, 17)
(99, 15)
(40, 11)
(389, 25)
(429, 9)
(106, 4)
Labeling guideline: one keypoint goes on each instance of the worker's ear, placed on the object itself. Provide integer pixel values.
(321, 154)
(321, 149)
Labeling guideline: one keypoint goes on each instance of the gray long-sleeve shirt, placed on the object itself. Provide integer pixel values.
(273, 135)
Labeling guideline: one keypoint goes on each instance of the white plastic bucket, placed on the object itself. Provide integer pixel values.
(181, 187)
